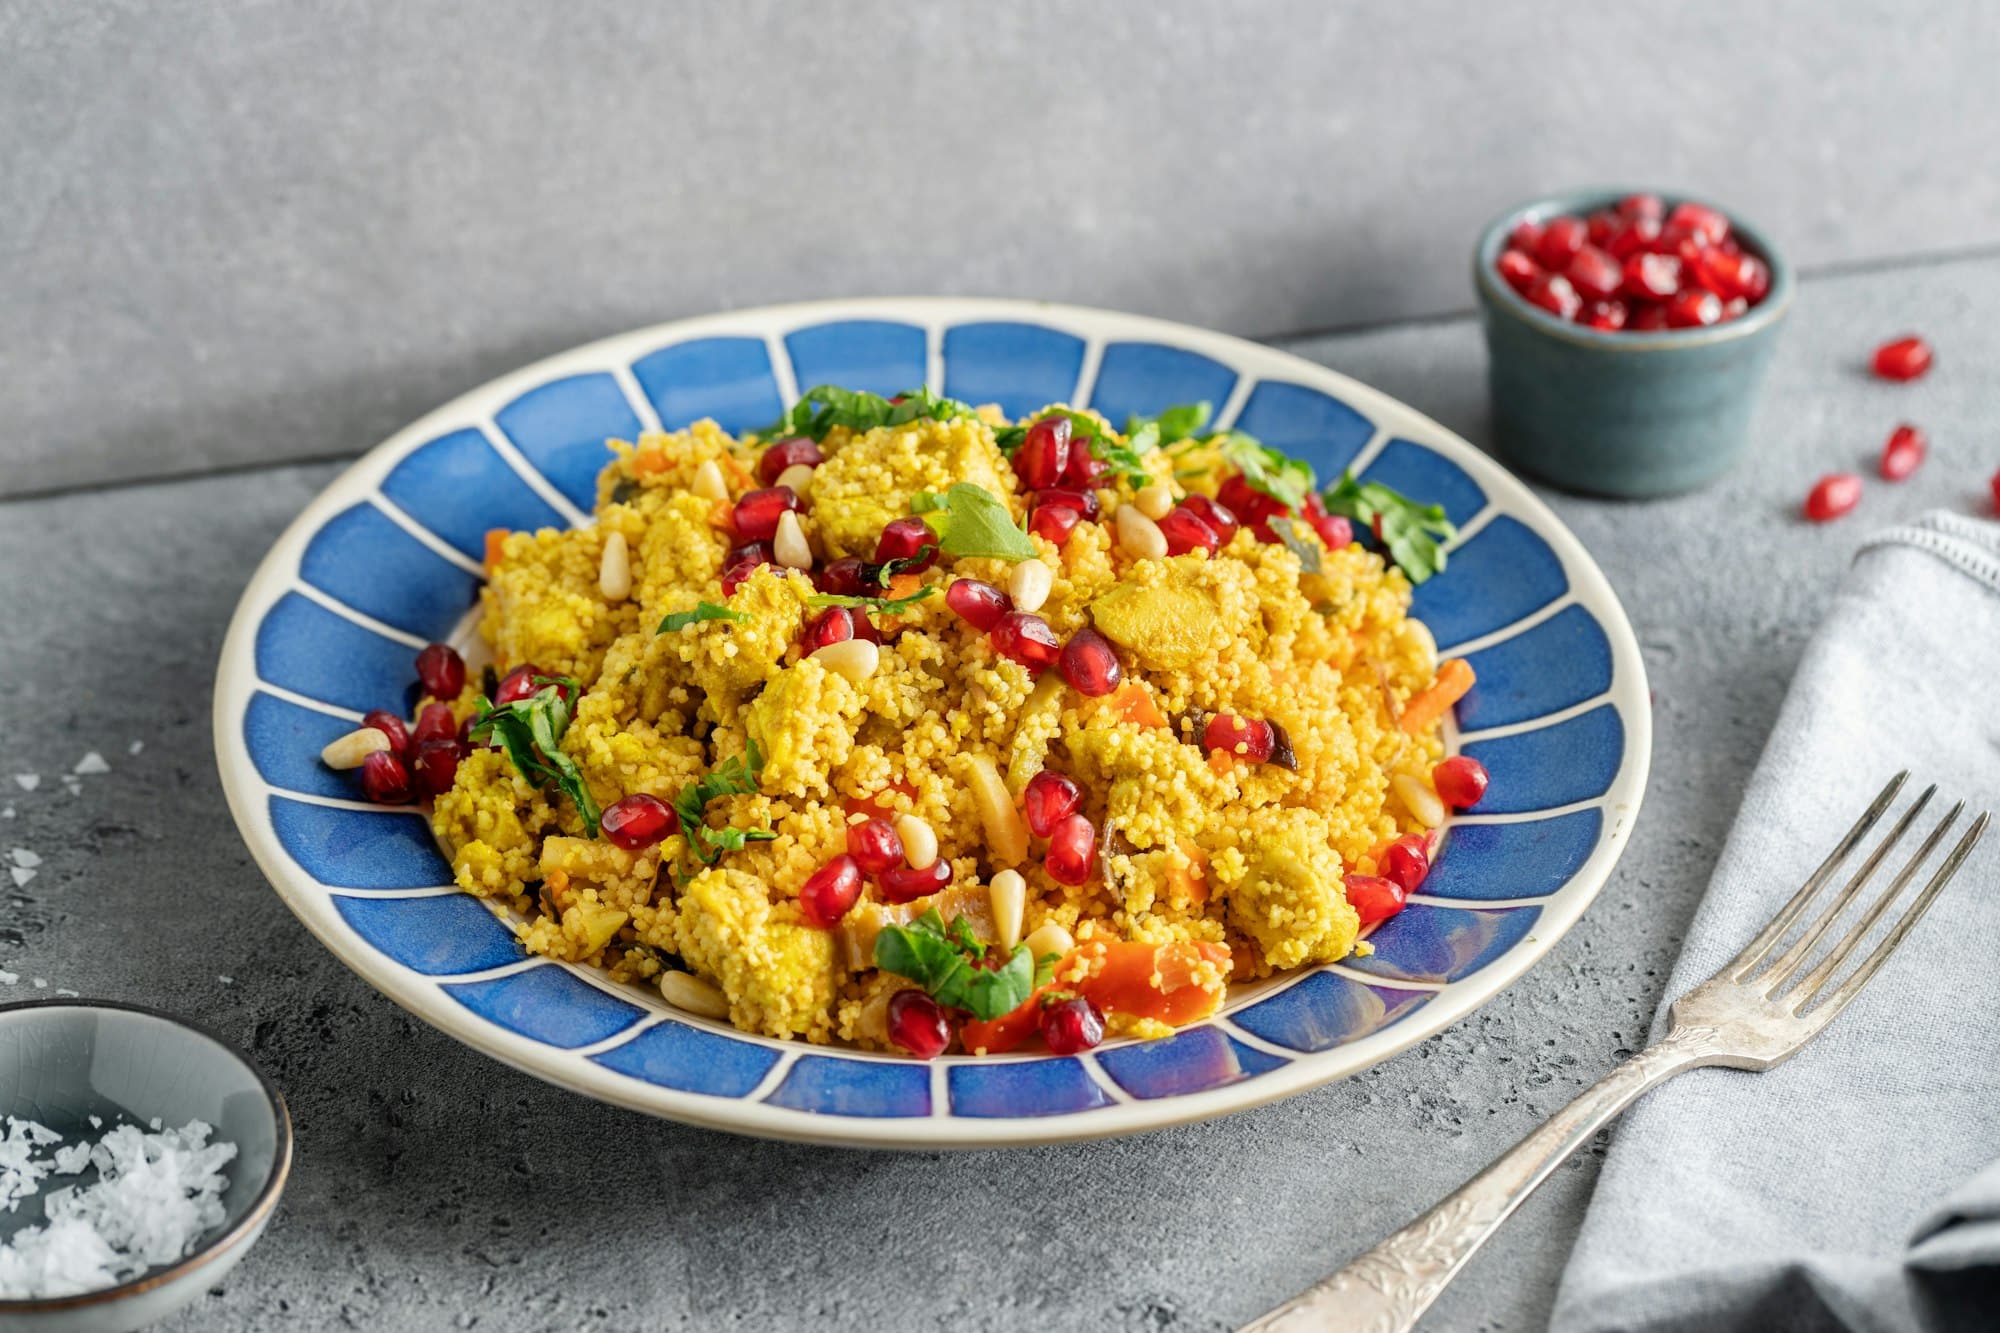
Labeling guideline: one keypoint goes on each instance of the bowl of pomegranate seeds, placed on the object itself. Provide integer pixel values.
(1627, 334)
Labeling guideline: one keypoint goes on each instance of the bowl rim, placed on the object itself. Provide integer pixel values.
(1497, 297)
(253, 1217)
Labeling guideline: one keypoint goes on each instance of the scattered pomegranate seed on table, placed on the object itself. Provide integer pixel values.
(1071, 1025)
(1994, 486)
(441, 670)
(875, 845)
(1834, 494)
(917, 1023)
(829, 891)
(1903, 359)
(1904, 452)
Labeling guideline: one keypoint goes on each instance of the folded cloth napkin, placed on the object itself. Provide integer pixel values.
(1858, 1185)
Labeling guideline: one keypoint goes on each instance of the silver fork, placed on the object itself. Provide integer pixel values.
(1746, 1016)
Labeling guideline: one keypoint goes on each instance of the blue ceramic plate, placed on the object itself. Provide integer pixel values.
(389, 558)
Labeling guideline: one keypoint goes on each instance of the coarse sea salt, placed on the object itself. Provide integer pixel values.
(155, 1196)
(92, 762)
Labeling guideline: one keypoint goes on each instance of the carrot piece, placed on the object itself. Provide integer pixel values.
(648, 461)
(739, 476)
(495, 539)
(1189, 879)
(873, 805)
(1454, 678)
(722, 516)
(1130, 703)
(1174, 983)
(996, 1036)
(902, 585)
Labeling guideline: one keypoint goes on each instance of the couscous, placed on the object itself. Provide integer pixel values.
(903, 726)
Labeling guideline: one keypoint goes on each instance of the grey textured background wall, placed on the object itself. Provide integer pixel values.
(236, 231)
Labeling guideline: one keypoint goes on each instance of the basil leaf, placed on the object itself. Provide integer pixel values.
(1284, 479)
(703, 611)
(1413, 533)
(975, 522)
(530, 731)
(940, 959)
(923, 502)
(880, 605)
(821, 408)
(1179, 422)
(734, 776)
(1286, 530)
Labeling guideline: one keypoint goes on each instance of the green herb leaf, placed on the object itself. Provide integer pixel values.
(1180, 422)
(1284, 479)
(940, 959)
(885, 573)
(972, 521)
(1288, 531)
(923, 502)
(530, 730)
(1413, 533)
(680, 620)
(1125, 460)
(821, 408)
(734, 776)
(879, 605)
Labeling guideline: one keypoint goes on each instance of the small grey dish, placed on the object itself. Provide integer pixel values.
(63, 1061)
(1632, 415)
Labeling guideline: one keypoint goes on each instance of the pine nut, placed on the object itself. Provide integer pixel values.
(1028, 586)
(351, 750)
(1140, 536)
(614, 570)
(1422, 643)
(708, 482)
(1419, 800)
(1006, 833)
(799, 477)
(685, 990)
(1049, 938)
(1155, 501)
(789, 546)
(1008, 896)
(920, 847)
(855, 659)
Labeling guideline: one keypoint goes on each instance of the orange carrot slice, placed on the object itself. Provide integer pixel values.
(1454, 678)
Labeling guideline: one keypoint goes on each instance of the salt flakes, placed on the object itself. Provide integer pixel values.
(28, 781)
(9, 978)
(41, 983)
(21, 874)
(92, 762)
(24, 858)
(135, 747)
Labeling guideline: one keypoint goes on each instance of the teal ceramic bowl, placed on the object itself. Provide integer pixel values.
(1632, 415)
(63, 1061)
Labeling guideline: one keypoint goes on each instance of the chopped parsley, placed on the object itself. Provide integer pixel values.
(734, 776)
(1183, 421)
(945, 962)
(972, 521)
(530, 730)
(1286, 480)
(821, 408)
(703, 611)
(886, 606)
(1286, 530)
(1411, 532)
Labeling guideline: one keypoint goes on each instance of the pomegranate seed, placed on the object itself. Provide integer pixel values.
(836, 624)
(1460, 781)
(385, 778)
(1646, 317)
(1903, 359)
(1834, 494)
(845, 577)
(1184, 532)
(1081, 499)
(1089, 664)
(917, 1024)
(1746, 276)
(1026, 639)
(434, 723)
(1701, 220)
(1633, 236)
(1072, 850)
(907, 539)
(1071, 1025)
(1994, 486)
(1054, 523)
(1555, 294)
(638, 821)
(1904, 452)
(1249, 739)
(906, 884)
(739, 573)
(1407, 862)
(829, 891)
(1335, 530)
(1217, 515)
(436, 764)
(1599, 225)
(1044, 453)
(977, 603)
(1048, 799)
(1517, 270)
(1594, 273)
(1642, 206)
(875, 845)
(1085, 468)
(1561, 237)
(1373, 898)
(756, 514)
(1693, 308)
(759, 552)
(1244, 501)
(786, 453)
(1526, 235)
(1734, 308)
(1608, 316)
(391, 726)
(441, 670)
(1650, 277)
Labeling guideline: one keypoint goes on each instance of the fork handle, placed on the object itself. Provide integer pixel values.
(1386, 1289)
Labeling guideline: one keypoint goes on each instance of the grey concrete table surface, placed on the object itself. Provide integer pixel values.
(436, 1188)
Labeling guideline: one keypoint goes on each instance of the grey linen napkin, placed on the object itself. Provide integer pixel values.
(1857, 1186)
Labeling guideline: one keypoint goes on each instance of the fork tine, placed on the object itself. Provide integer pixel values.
(1824, 1012)
(1753, 953)
(1810, 986)
(1789, 962)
